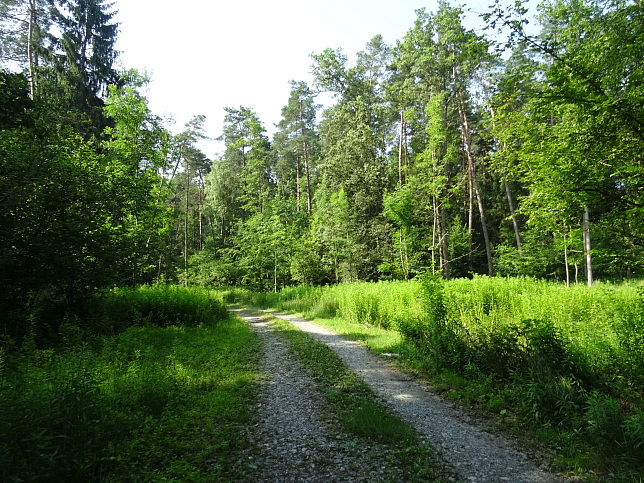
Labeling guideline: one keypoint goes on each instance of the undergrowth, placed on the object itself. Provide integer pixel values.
(161, 398)
(563, 365)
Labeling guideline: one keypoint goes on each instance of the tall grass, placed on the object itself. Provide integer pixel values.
(566, 360)
(160, 306)
(161, 398)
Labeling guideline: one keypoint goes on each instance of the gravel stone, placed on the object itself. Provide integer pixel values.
(299, 441)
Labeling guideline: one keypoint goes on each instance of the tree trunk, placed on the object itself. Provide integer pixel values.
(508, 192)
(565, 242)
(200, 209)
(402, 250)
(275, 271)
(307, 173)
(515, 223)
(400, 147)
(444, 243)
(32, 56)
(298, 188)
(185, 231)
(440, 224)
(467, 142)
(435, 229)
(470, 217)
(587, 247)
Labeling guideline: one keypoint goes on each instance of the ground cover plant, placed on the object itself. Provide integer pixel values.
(160, 398)
(563, 365)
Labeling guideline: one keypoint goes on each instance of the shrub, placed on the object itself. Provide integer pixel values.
(161, 306)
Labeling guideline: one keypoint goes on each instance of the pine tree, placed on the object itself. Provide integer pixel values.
(82, 60)
(297, 145)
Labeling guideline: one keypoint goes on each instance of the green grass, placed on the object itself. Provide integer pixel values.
(372, 420)
(360, 412)
(562, 368)
(152, 403)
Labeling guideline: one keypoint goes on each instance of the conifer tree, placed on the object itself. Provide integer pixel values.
(82, 60)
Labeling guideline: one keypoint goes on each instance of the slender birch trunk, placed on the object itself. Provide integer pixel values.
(32, 56)
(400, 147)
(587, 247)
(565, 242)
(515, 223)
(508, 192)
(444, 244)
(307, 174)
(185, 232)
(467, 142)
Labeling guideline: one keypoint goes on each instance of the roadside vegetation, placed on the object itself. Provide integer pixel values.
(560, 367)
(153, 386)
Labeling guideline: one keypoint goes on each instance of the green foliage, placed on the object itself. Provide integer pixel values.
(77, 217)
(534, 352)
(306, 263)
(630, 334)
(160, 306)
(152, 402)
(634, 434)
(81, 62)
(569, 125)
(14, 100)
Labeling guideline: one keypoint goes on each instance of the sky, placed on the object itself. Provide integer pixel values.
(203, 56)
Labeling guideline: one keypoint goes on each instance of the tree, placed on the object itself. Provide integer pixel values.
(353, 152)
(401, 208)
(265, 242)
(223, 192)
(83, 59)
(248, 148)
(23, 25)
(189, 184)
(433, 72)
(16, 107)
(585, 121)
(137, 152)
(332, 229)
(297, 143)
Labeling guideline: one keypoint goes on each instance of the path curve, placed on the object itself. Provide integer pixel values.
(478, 456)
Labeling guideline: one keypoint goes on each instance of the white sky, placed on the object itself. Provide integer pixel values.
(203, 56)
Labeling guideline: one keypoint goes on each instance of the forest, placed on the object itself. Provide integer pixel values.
(490, 181)
(504, 153)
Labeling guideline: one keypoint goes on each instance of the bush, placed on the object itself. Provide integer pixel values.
(160, 306)
(149, 403)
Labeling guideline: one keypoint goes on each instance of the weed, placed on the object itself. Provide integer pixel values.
(373, 421)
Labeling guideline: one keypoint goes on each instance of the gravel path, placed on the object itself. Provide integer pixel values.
(300, 443)
(296, 438)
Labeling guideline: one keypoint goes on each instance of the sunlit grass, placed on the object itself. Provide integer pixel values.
(376, 339)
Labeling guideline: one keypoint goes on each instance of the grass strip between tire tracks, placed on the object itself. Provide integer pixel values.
(359, 410)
